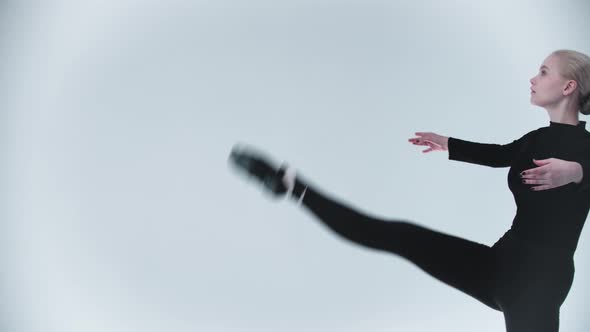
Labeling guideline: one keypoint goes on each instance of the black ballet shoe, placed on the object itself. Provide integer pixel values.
(256, 166)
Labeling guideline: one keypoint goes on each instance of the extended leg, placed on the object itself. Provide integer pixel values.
(465, 265)
(462, 264)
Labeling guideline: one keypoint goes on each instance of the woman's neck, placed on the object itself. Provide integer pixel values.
(563, 113)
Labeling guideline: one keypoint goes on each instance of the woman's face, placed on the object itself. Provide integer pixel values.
(548, 87)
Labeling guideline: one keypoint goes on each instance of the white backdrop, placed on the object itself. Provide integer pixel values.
(119, 212)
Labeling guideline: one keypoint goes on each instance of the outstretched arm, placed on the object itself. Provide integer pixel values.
(553, 173)
(493, 155)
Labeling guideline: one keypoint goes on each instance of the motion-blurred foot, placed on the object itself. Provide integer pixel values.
(254, 165)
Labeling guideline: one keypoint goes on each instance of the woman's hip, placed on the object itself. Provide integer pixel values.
(531, 273)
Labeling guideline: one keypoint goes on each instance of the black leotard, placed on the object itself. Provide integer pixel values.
(550, 218)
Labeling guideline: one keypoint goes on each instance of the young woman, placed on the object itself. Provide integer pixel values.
(528, 272)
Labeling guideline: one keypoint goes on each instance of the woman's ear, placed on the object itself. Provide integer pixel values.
(570, 87)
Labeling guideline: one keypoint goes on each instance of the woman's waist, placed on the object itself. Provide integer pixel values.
(548, 232)
(546, 247)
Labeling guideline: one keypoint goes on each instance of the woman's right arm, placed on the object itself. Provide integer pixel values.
(493, 155)
(581, 174)
(552, 173)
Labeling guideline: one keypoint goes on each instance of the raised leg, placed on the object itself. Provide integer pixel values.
(462, 264)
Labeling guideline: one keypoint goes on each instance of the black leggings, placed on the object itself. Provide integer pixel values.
(526, 282)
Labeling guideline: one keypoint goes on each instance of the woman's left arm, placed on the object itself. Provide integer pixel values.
(553, 173)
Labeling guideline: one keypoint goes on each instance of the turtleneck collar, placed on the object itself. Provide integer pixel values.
(581, 125)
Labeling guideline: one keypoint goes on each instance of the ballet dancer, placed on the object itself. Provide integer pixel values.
(529, 271)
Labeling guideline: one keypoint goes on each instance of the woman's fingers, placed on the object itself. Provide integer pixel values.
(538, 177)
(535, 173)
(426, 138)
(536, 181)
(532, 176)
(420, 141)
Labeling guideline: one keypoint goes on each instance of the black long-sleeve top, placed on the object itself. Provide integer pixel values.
(553, 217)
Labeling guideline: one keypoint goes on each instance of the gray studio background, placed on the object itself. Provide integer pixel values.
(119, 211)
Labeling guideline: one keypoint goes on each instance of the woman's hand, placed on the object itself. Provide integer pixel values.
(434, 141)
(552, 173)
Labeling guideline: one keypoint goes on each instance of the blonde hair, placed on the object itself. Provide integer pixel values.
(576, 66)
